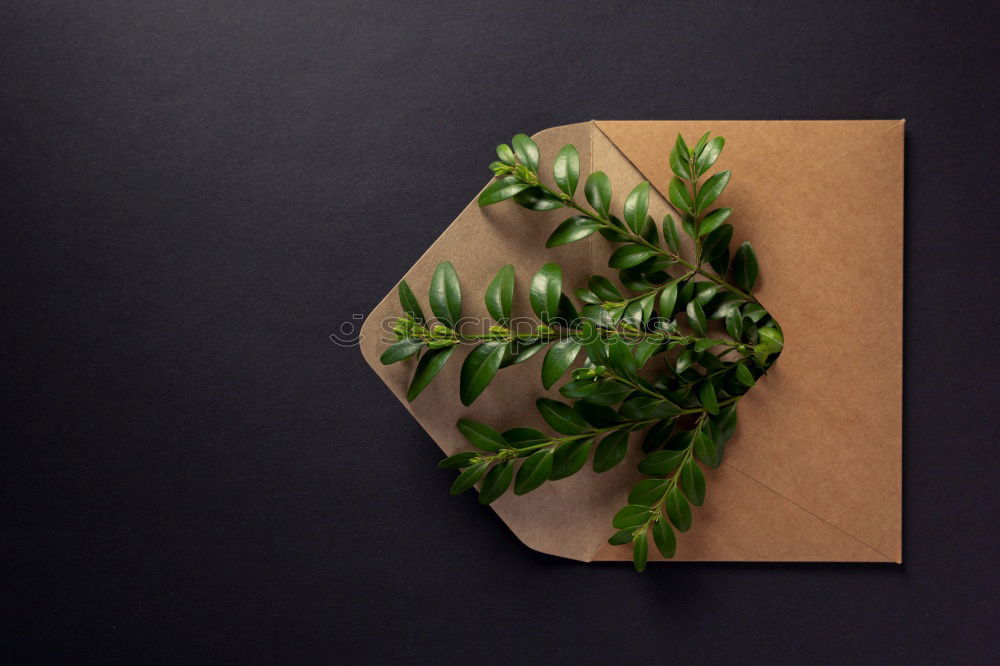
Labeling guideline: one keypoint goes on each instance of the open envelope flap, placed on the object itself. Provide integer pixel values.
(751, 513)
(822, 203)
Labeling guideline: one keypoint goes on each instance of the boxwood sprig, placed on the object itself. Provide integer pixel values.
(669, 352)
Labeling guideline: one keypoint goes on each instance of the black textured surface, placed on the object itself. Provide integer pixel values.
(195, 195)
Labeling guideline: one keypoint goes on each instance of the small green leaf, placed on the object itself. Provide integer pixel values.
(648, 492)
(521, 437)
(709, 154)
(409, 302)
(469, 476)
(569, 458)
(611, 451)
(670, 234)
(714, 220)
(770, 339)
(566, 169)
(506, 155)
(630, 517)
(707, 397)
(745, 267)
(482, 436)
(459, 460)
(500, 294)
(668, 298)
(679, 166)
(427, 367)
(679, 195)
(644, 407)
(711, 190)
(637, 206)
(744, 376)
(598, 191)
(519, 351)
(685, 360)
(501, 189)
(630, 255)
(682, 150)
(592, 341)
(610, 393)
(664, 538)
(734, 325)
(402, 349)
(640, 549)
(604, 288)
(558, 359)
(573, 229)
(693, 482)
(445, 295)
(717, 242)
(661, 463)
(621, 359)
(585, 295)
(598, 416)
(546, 289)
(496, 482)
(705, 449)
(534, 471)
(526, 151)
(620, 538)
(537, 199)
(561, 417)
(478, 370)
(579, 388)
(678, 509)
(696, 317)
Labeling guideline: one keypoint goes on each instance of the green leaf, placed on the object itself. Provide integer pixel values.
(469, 476)
(648, 491)
(537, 199)
(500, 294)
(744, 376)
(569, 458)
(661, 463)
(620, 538)
(702, 344)
(637, 206)
(427, 367)
(707, 397)
(579, 388)
(501, 189)
(682, 150)
(696, 317)
(770, 339)
(526, 151)
(561, 417)
(482, 436)
(630, 255)
(521, 437)
(591, 339)
(646, 347)
(496, 482)
(506, 155)
(664, 538)
(705, 449)
(611, 451)
(598, 191)
(711, 190)
(644, 407)
(717, 242)
(685, 360)
(745, 267)
(585, 295)
(668, 298)
(678, 509)
(621, 359)
(445, 295)
(534, 471)
(598, 416)
(519, 351)
(478, 370)
(693, 482)
(670, 234)
(679, 166)
(640, 549)
(709, 154)
(558, 359)
(714, 220)
(566, 169)
(604, 288)
(546, 289)
(461, 459)
(573, 229)
(409, 302)
(404, 348)
(679, 195)
(734, 325)
(630, 517)
(610, 393)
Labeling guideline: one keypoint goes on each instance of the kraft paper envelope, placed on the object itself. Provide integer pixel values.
(814, 470)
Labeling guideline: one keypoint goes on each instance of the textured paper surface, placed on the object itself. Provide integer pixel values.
(814, 470)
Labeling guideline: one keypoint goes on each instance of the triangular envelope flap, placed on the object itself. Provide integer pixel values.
(821, 202)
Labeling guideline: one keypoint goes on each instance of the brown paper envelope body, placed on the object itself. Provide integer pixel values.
(814, 470)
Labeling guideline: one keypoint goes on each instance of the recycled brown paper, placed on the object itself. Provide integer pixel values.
(814, 470)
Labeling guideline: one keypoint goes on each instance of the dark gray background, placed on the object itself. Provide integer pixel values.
(195, 195)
